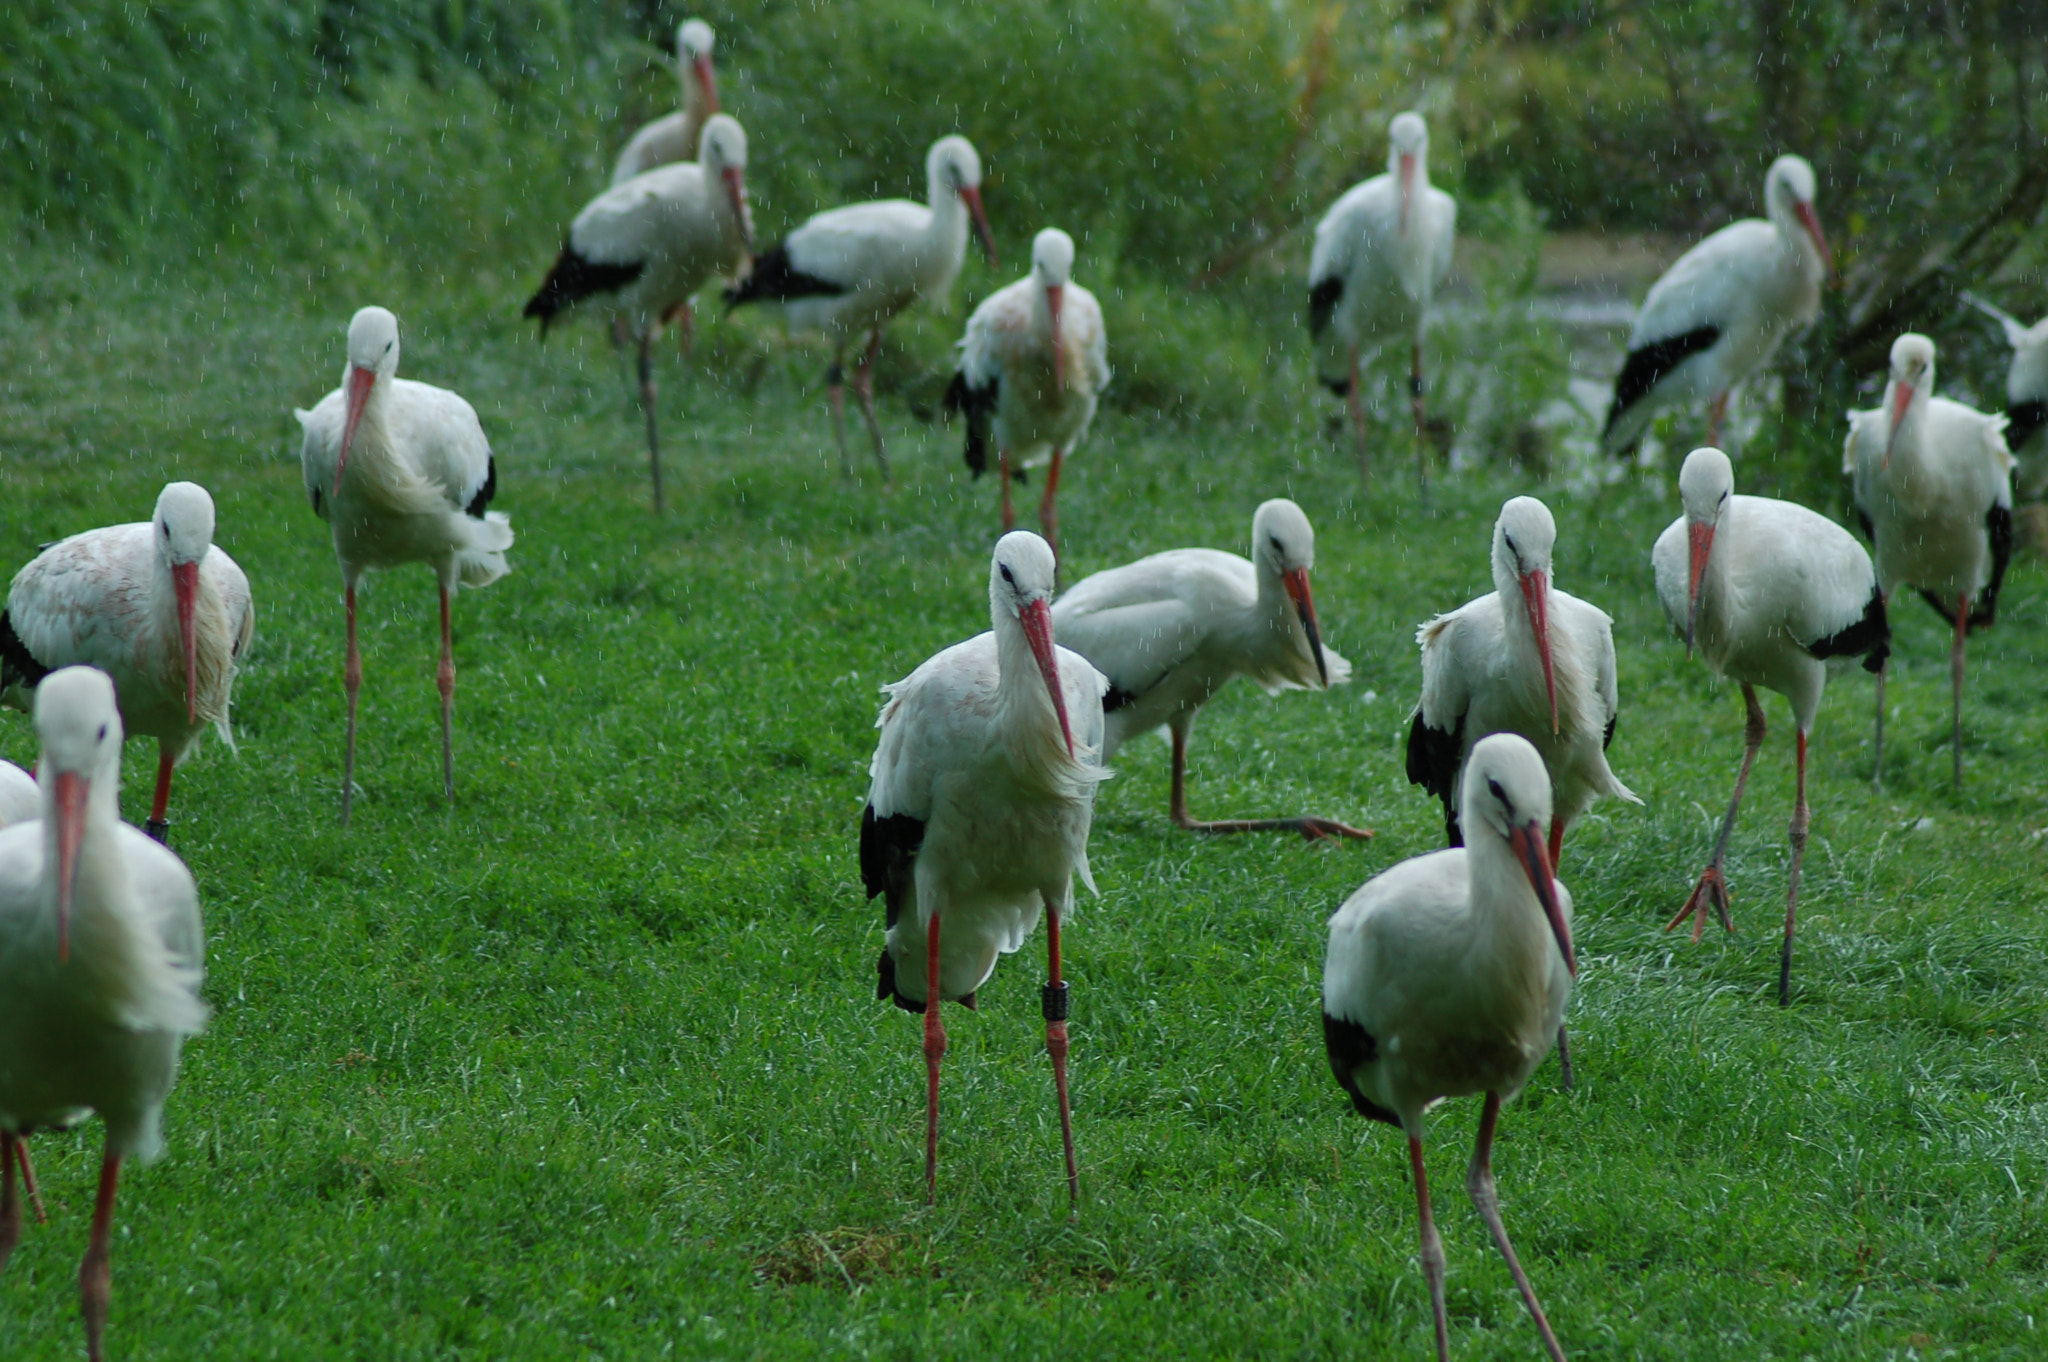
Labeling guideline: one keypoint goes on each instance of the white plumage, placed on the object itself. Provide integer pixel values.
(1720, 313)
(403, 473)
(1171, 630)
(1529, 659)
(20, 801)
(1448, 975)
(1381, 253)
(849, 270)
(1933, 484)
(674, 137)
(1032, 364)
(1766, 592)
(2026, 395)
(101, 960)
(983, 787)
(157, 606)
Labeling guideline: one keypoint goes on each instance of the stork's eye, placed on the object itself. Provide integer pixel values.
(103, 734)
(1493, 787)
(1274, 540)
(1006, 574)
(1509, 540)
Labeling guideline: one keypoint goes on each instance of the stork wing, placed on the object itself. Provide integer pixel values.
(1138, 622)
(72, 602)
(447, 443)
(860, 243)
(1707, 286)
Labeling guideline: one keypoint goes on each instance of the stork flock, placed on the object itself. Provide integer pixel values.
(1448, 974)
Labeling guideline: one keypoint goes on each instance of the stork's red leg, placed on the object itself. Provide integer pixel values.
(1712, 890)
(835, 391)
(1432, 1253)
(1716, 413)
(934, 1051)
(1421, 425)
(10, 1203)
(159, 826)
(1955, 666)
(864, 389)
(352, 683)
(1009, 510)
(1355, 400)
(649, 406)
(1054, 1005)
(96, 1273)
(1311, 829)
(1801, 816)
(28, 1180)
(1048, 517)
(1877, 761)
(1479, 1185)
(444, 679)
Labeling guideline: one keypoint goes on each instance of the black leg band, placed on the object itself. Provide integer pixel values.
(1415, 385)
(1053, 997)
(159, 830)
(836, 376)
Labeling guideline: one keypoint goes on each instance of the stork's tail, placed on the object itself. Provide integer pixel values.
(481, 560)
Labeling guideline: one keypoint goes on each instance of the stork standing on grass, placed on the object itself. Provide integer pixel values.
(849, 270)
(157, 606)
(1032, 364)
(1381, 253)
(2026, 393)
(1766, 592)
(1448, 975)
(1171, 630)
(977, 818)
(1933, 485)
(1720, 313)
(641, 249)
(101, 960)
(675, 137)
(403, 473)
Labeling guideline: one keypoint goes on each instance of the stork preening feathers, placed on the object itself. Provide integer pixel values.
(983, 786)
(1767, 592)
(157, 606)
(1933, 486)
(1171, 630)
(1448, 975)
(1032, 364)
(403, 473)
(675, 137)
(1720, 313)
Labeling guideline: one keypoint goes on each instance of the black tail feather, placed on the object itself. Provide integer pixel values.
(572, 279)
(1869, 638)
(774, 280)
(1647, 365)
(978, 405)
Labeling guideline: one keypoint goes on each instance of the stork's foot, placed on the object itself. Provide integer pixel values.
(1311, 829)
(159, 830)
(1710, 892)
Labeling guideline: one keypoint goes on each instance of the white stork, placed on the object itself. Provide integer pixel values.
(1171, 630)
(157, 606)
(983, 785)
(1032, 364)
(403, 473)
(20, 800)
(101, 960)
(1933, 486)
(674, 137)
(1448, 975)
(641, 249)
(2026, 393)
(849, 270)
(1720, 313)
(1766, 591)
(1381, 253)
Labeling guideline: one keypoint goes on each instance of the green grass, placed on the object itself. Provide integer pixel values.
(591, 1066)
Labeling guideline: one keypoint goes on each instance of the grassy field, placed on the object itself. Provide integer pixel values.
(590, 1065)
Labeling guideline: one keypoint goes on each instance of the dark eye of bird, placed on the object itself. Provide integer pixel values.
(103, 734)
(1509, 540)
(1274, 540)
(1498, 793)
(1006, 575)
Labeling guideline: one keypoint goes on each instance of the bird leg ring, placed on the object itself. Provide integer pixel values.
(158, 826)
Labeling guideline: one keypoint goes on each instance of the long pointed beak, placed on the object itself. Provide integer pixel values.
(1811, 223)
(1527, 841)
(702, 63)
(360, 381)
(1536, 594)
(1055, 295)
(1407, 188)
(1037, 621)
(972, 195)
(1699, 545)
(1296, 582)
(736, 190)
(185, 579)
(1902, 398)
(69, 791)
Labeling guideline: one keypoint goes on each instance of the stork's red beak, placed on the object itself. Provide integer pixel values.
(1055, 296)
(68, 790)
(1037, 621)
(1699, 544)
(972, 195)
(185, 580)
(1536, 595)
(1811, 223)
(1527, 841)
(1902, 398)
(702, 63)
(1296, 582)
(736, 190)
(360, 381)
(1407, 187)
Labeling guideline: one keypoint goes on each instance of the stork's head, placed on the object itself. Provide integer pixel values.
(953, 166)
(1020, 589)
(1523, 538)
(1052, 268)
(1408, 158)
(722, 153)
(79, 726)
(372, 359)
(1507, 795)
(1912, 377)
(1789, 189)
(1706, 484)
(693, 57)
(183, 528)
(1284, 547)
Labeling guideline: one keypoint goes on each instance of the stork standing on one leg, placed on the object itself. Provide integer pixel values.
(1448, 975)
(1766, 592)
(1381, 253)
(157, 606)
(849, 270)
(1933, 485)
(1032, 364)
(977, 818)
(403, 473)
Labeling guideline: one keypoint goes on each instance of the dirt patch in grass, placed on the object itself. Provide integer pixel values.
(847, 1256)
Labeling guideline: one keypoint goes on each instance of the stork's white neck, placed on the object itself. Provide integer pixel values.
(1511, 939)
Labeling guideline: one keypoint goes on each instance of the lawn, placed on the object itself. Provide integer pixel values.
(591, 1064)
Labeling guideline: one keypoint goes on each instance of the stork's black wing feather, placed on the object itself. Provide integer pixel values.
(2023, 421)
(888, 855)
(1349, 1045)
(1869, 638)
(1998, 527)
(1648, 364)
(479, 503)
(18, 666)
(1433, 757)
(775, 280)
(978, 405)
(572, 279)
(1323, 297)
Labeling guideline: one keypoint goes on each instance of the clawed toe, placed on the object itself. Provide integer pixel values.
(1711, 891)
